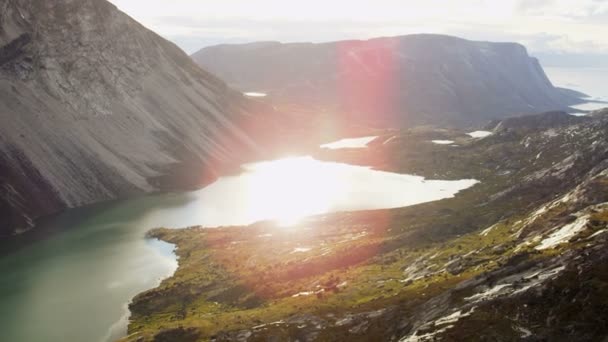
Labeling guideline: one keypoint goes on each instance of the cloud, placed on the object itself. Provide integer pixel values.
(542, 25)
(572, 9)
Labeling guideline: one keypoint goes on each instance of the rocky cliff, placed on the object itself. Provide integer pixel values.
(94, 107)
(401, 81)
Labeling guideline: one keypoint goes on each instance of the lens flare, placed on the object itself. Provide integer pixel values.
(291, 189)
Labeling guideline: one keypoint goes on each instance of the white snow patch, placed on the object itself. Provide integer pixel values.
(545, 208)
(301, 250)
(254, 94)
(394, 137)
(524, 332)
(446, 320)
(479, 134)
(524, 282)
(443, 142)
(267, 324)
(491, 293)
(358, 236)
(564, 234)
(599, 232)
(426, 337)
(452, 318)
(488, 230)
(541, 277)
(349, 143)
(551, 133)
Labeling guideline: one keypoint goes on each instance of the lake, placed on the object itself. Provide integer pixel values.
(75, 284)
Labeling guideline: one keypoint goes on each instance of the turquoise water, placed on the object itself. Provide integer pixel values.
(75, 284)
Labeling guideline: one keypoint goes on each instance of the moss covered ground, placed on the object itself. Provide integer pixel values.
(268, 281)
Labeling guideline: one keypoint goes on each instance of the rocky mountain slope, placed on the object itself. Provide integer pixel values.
(93, 107)
(401, 81)
(520, 256)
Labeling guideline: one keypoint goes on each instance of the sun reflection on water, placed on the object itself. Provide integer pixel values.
(290, 189)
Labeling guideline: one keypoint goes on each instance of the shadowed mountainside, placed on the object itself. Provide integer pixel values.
(399, 81)
(94, 107)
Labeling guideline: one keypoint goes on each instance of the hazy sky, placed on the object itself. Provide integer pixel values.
(553, 26)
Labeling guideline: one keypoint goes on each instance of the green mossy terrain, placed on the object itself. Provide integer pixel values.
(393, 274)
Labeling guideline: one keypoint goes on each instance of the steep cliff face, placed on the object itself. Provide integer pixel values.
(93, 107)
(401, 81)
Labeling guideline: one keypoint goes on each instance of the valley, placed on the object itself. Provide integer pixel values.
(356, 187)
(43, 273)
(416, 273)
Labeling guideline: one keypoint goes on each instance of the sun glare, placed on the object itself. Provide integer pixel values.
(290, 189)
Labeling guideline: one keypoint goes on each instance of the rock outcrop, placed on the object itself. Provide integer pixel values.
(400, 81)
(95, 107)
(536, 122)
(522, 255)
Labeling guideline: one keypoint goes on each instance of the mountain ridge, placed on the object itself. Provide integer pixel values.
(95, 107)
(396, 81)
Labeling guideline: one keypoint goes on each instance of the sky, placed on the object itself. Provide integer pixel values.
(554, 27)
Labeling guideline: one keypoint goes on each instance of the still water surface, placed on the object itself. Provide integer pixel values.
(591, 81)
(75, 284)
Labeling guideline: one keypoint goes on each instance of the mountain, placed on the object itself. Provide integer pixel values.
(522, 255)
(95, 107)
(401, 81)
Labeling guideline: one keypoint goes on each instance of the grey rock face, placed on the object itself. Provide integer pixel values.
(536, 122)
(94, 107)
(401, 81)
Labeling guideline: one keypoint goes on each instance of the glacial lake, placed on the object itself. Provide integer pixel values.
(74, 285)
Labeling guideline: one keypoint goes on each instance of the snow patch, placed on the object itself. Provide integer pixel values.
(540, 278)
(524, 332)
(301, 250)
(349, 143)
(443, 142)
(564, 234)
(268, 324)
(394, 137)
(487, 231)
(452, 318)
(599, 232)
(426, 337)
(479, 134)
(254, 94)
(489, 294)
(448, 321)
